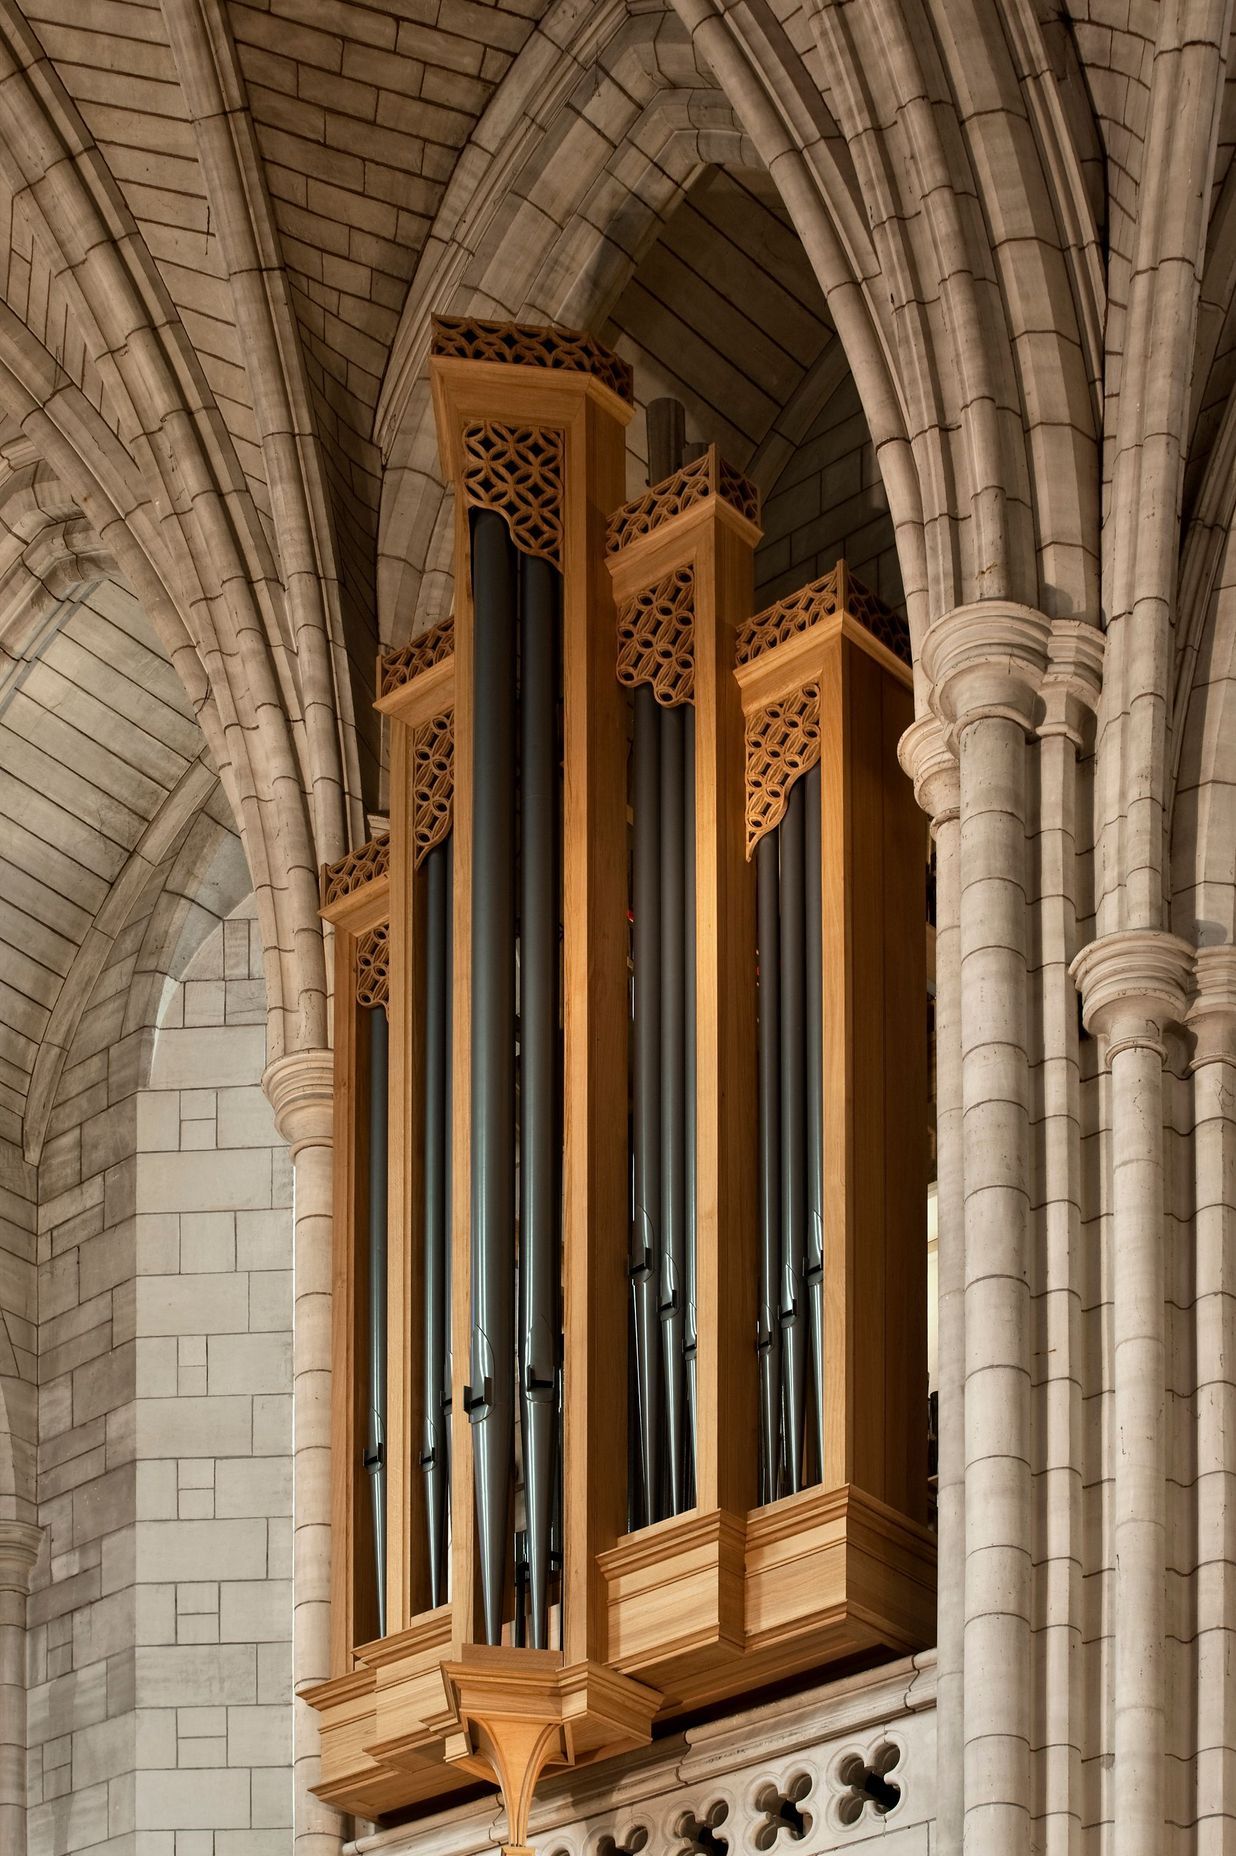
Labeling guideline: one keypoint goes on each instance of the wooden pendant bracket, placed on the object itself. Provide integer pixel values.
(730, 1596)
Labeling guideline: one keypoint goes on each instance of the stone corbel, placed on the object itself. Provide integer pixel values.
(300, 1089)
(987, 661)
(930, 762)
(1070, 689)
(1211, 1016)
(1133, 984)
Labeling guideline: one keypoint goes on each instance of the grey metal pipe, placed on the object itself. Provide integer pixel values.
(813, 995)
(673, 1079)
(489, 1396)
(645, 1252)
(540, 1153)
(689, 1276)
(793, 1139)
(768, 1329)
(375, 1429)
(435, 1123)
(448, 1164)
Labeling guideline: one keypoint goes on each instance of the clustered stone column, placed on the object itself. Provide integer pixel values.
(1212, 1020)
(300, 1090)
(19, 1546)
(985, 664)
(1133, 985)
(931, 763)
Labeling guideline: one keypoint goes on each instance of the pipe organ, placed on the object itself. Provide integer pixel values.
(628, 1409)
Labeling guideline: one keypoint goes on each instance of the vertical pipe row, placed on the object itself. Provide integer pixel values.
(644, 1263)
(673, 1080)
(790, 1321)
(489, 1397)
(540, 1151)
(375, 1427)
(690, 1329)
(768, 1329)
(793, 1138)
(436, 1315)
(814, 1010)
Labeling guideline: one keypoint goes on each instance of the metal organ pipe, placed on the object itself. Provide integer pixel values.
(540, 1156)
(489, 1397)
(689, 1095)
(793, 1133)
(436, 1229)
(815, 1109)
(768, 1328)
(644, 1264)
(673, 1144)
(375, 1430)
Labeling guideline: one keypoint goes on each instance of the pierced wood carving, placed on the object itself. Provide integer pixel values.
(433, 783)
(395, 668)
(783, 742)
(373, 966)
(517, 470)
(352, 872)
(798, 612)
(656, 638)
(469, 338)
(708, 475)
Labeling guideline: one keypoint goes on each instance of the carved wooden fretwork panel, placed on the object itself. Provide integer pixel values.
(395, 668)
(468, 338)
(517, 471)
(708, 475)
(373, 966)
(783, 742)
(656, 638)
(836, 592)
(433, 783)
(352, 872)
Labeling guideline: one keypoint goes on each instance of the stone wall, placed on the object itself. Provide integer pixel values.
(159, 1707)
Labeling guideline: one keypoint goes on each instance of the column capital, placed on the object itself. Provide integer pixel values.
(1212, 1013)
(985, 661)
(1133, 985)
(931, 763)
(1074, 679)
(301, 1090)
(19, 1549)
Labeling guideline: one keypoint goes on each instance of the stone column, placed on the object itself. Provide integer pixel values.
(1070, 693)
(985, 663)
(1212, 1020)
(1133, 986)
(19, 1546)
(301, 1092)
(932, 765)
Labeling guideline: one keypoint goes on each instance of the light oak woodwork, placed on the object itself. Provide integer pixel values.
(730, 1597)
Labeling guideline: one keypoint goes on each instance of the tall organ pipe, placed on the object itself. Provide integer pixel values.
(690, 1329)
(646, 1108)
(768, 1329)
(540, 1130)
(448, 1337)
(793, 1132)
(436, 1122)
(813, 993)
(490, 1395)
(375, 1430)
(673, 1079)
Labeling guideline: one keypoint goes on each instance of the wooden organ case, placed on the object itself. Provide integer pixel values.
(629, 1405)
